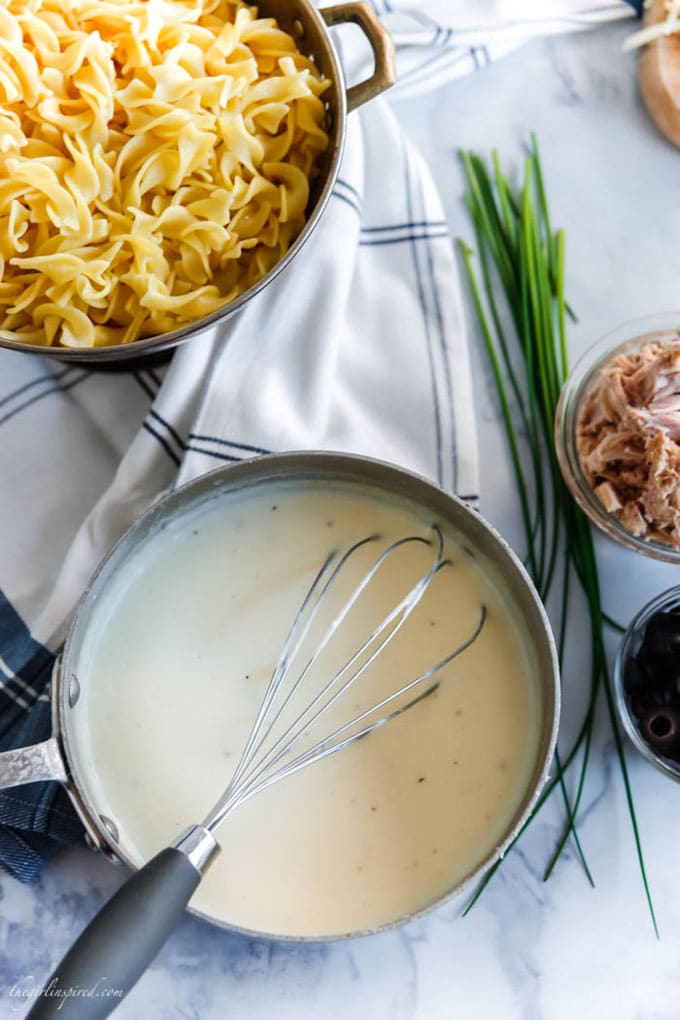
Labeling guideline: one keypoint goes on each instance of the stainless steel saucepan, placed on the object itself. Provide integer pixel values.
(310, 27)
(65, 756)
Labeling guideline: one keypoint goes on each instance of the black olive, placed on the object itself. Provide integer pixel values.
(662, 637)
(674, 686)
(644, 703)
(649, 686)
(660, 678)
(634, 678)
(663, 695)
(651, 679)
(660, 728)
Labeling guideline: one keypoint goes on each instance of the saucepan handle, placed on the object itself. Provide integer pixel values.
(112, 953)
(384, 71)
(33, 764)
(36, 763)
(119, 944)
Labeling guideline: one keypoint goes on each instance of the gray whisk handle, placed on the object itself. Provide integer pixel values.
(118, 945)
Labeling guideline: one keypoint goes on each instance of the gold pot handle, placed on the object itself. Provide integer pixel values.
(384, 71)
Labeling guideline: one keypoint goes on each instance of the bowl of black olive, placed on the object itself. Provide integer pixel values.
(647, 682)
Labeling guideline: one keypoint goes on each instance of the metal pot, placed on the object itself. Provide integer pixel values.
(309, 27)
(62, 757)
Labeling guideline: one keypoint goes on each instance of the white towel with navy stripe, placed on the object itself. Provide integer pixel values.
(443, 39)
(358, 346)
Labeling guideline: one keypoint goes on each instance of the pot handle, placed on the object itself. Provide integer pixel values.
(33, 764)
(384, 70)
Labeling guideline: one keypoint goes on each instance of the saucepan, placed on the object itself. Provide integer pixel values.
(64, 756)
(310, 27)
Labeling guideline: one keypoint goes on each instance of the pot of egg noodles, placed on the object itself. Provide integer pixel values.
(173, 645)
(166, 163)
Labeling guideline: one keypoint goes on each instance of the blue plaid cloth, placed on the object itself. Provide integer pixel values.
(37, 818)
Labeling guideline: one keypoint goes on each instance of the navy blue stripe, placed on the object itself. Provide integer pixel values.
(350, 203)
(144, 384)
(213, 453)
(186, 446)
(400, 240)
(155, 376)
(173, 432)
(228, 442)
(152, 387)
(53, 377)
(405, 226)
(170, 452)
(442, 343)
(426, 322)
(59, 388)
(348, 187)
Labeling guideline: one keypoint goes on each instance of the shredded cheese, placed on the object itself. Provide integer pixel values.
(669, 26)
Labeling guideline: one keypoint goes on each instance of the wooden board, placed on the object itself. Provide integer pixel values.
(659, 76)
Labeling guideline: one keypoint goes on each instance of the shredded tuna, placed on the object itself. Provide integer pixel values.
(628, 439)
(633, 521)
(606, 493)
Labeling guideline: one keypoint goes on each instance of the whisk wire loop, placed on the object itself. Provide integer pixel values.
(403, 609)
(272, 687)
(326, 747)
(291, 647)
(255, 770)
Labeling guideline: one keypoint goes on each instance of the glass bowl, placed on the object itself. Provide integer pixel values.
(629, 647)
(579, 383)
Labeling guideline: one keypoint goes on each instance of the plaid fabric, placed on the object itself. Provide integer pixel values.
(37, 818)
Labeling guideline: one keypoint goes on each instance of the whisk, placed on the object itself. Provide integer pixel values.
(115, 949)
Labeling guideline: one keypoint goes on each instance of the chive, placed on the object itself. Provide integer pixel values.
(571, 810)
(519, 250)
(500, 387)
(561, 306)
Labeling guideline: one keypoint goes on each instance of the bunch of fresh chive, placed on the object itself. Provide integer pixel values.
(522, 314)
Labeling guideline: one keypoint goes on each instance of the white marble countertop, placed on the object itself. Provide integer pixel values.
(529, 950)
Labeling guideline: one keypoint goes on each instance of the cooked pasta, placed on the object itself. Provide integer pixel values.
(155, 159)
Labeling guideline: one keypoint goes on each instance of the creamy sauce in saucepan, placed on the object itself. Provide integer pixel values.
(178, 655)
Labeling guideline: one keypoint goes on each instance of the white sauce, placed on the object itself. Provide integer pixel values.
(183, 645)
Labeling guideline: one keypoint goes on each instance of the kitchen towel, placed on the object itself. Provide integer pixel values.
(359, 346)
(438, 40)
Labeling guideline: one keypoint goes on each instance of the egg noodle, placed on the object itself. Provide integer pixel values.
(155, 159)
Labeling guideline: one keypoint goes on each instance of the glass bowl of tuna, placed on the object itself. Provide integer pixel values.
(617, 435)
(647, 682)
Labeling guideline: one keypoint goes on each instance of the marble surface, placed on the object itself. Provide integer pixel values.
(529, 950)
